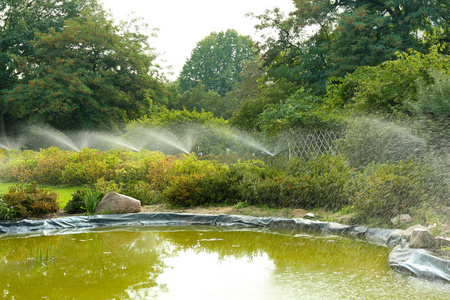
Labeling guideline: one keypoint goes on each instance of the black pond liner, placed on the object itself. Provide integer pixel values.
(415, 262)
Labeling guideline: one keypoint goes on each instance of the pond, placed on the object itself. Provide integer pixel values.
(200, 262)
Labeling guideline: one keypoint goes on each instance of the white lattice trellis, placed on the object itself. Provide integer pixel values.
(310, 143)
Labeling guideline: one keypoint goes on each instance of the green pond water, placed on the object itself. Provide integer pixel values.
(201, 263)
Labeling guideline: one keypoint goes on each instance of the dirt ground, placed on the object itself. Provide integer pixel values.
(251, 211)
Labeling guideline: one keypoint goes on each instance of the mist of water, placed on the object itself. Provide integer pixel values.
(180, 140)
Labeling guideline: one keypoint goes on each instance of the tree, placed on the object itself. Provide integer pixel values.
(245, 90)
(20, 20)
(303, 110)
(391, 87)
(217, 62)
(90, 74)
(323, 38)
(246, 117)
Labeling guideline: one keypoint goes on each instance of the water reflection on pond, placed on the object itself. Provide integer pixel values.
(201, 263)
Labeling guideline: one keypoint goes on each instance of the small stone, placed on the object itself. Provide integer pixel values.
(445, 229)
(402, 219)
(442, 241)
(446, 210)
(422, 238)
(406, 234)
(309, 216)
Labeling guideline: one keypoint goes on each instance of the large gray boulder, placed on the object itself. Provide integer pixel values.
(115, 203)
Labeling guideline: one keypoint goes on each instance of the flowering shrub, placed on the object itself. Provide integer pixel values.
(30, 199)
(6, 212)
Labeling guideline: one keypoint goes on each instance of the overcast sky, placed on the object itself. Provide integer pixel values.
(183, 23)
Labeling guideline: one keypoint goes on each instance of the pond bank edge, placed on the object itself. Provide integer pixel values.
(414, 262)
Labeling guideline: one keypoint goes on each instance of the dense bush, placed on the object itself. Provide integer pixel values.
(18, 166)
(370, 140)
(376, 192)
(325, 177)
(30, 199)
(50, 164)
(196, 182)
(87, 166)
(6, 212)
(383, 191)
(76, 204)
(248, 178)
(142, 191)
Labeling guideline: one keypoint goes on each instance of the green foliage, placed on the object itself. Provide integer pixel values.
(50, 163)
(142, 191)
(90, 74)
(196, 182)
(389, 87)
(88, 166)
(383, 191)
(433, 99)
(254, 182)
(92, 199)
(370, 140)
(199, 98)
(301, 110)
(19, 23)
(322, 39)
(326, 177)
(200, 129)
(76, 204)
(247, 116)
(216, 62)
(18, 166)
(30, 199)
(6, 212)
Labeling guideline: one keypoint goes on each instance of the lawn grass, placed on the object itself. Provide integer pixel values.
(64, 193)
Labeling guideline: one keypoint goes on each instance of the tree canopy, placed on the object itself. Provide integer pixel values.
(323, 38)
(88, 72)
(216, 62)
(20, 20)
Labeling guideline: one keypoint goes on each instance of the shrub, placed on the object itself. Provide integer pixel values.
(374, 140)
(158, 171)
(76, 204)
(383, 191)
(31, 199)
(194, 182)
(324, 177)
(19, 166)
(254, 182)
(88, 166)
(142, 191)
(184, 191)
(50, 164)
(6, 212)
